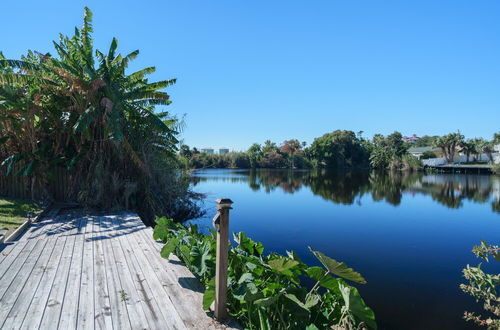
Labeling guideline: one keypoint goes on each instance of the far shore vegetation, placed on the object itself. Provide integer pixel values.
(343, 149)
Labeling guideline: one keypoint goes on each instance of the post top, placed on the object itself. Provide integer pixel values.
(224, 202)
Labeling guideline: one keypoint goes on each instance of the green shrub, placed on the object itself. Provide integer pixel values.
(267, 291)
(483, 287)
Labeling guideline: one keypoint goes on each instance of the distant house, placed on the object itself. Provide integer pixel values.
(208, 150)
(223, 151)
(419, 151)
(411, 139)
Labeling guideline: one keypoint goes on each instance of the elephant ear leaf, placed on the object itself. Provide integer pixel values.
(209, 295)
(169, 248)
(338, 268)
(282, 264)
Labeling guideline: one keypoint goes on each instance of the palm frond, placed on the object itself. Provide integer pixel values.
(18, 64)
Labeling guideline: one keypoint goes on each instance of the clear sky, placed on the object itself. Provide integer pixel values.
(254, 70)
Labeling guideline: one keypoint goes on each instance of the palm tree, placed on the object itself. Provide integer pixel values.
(469, 148)
(448, 145)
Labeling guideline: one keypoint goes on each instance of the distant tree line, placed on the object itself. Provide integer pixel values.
(341, 149)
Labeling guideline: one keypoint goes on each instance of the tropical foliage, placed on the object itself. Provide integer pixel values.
(343, 149)
(339, 149)
(449, 144)
(82, 111)
(290, 154)
(483, 287)
(268, 291)
(391, 152)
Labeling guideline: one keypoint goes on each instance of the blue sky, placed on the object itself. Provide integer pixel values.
(254, 70)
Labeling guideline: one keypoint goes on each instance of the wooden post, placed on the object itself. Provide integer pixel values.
(221, 223)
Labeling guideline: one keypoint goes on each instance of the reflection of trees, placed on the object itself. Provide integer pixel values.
(389, 186)
(451, 190)
(340, 187)
(495, 206)
(447, 195)
(288, 180)
(344, 187)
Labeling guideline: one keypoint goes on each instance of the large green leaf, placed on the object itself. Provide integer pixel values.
(200, 258)
(311, 301)
(162, 229)
(209, 294)
(338, 268)
(282, 264)
(247, 244)
(325, 279)
(247, 291)
(356, 305)
(169, 247)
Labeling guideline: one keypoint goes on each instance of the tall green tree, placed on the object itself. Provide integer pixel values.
(255, 154)
(391, 152)
(292, 148)
(81, 110)
(339, 149)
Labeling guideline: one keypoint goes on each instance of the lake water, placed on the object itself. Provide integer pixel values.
(408, 235)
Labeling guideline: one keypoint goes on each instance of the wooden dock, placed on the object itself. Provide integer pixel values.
(96, 272)
(463, 168)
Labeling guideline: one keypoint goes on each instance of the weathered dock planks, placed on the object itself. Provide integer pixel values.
(96, 272)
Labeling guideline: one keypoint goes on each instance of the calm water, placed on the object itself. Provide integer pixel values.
(409, 235)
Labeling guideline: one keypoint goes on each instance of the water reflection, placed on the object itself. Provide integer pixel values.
(450, 190)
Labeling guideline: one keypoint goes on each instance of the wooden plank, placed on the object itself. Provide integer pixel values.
(53, 307)
(9, 271)
(86, 303)
(40, 276)
(160, 295)
(174, 265)
(69, 312)
(134, 307)
(119, 313)
(186, 299)
(103, 310)
(157, 301)
(151, 310)
(39, 229)
(187, 292)
(18, 280)
(37, 307)
(9, 253)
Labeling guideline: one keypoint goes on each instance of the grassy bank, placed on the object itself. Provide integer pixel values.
(13, 213)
